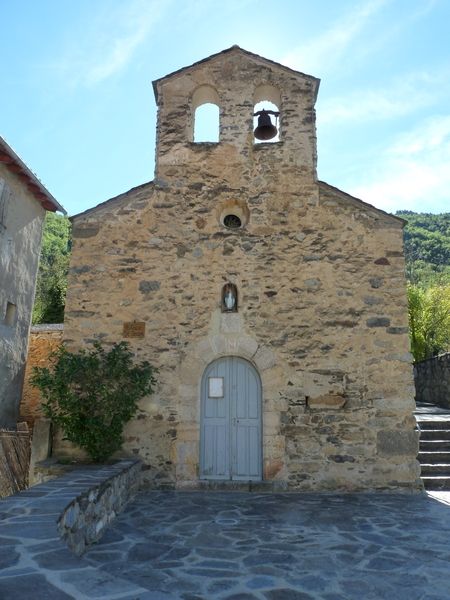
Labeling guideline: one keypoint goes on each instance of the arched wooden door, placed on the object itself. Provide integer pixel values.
(231, 423)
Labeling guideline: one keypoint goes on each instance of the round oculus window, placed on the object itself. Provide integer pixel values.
(232, 221)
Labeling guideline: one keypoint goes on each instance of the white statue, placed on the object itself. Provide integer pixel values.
(229, 300)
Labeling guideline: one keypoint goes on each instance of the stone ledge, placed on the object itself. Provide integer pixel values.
(85, 518)
(83, 502)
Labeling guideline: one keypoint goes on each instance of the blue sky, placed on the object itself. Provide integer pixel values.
(78, 107)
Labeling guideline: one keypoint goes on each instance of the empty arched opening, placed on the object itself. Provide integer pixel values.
(267, 98)
(205, 107)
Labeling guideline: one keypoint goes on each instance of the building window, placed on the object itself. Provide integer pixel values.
(206, 111)
(10, 314)
(232, 221)
(233, 214)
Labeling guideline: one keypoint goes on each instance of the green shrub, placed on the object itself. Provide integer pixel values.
(92, 394)
(429, 320)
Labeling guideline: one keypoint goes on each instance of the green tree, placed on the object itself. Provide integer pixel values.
(51, 283)
(427, 247)
(92, 394)
(429, 320)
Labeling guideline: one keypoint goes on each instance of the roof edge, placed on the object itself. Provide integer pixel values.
(235, 47)
(118, 197)
(332, 188)
(16, 165)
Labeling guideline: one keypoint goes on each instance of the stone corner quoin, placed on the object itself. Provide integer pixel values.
(307, 380)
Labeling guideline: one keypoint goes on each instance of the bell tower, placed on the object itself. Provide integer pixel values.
(237, 83)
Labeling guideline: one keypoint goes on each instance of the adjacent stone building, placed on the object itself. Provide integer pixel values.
(23, 203)
(273, 304)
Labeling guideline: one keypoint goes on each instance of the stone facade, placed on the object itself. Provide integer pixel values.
(320, 278)
(44, 339)
(23, 202)
(432, 380)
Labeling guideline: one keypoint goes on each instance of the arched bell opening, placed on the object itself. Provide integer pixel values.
(266, 114)
(206, 111)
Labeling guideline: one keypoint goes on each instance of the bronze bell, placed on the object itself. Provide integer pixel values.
(265, 130)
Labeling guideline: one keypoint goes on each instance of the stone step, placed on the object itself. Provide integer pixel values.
(433, 458)
(436, 445)
(241, 486)
(435, 434)
(436, 483)
(433, 423)
(435, 469)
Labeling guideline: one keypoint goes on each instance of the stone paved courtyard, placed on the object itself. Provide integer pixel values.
(234, 545)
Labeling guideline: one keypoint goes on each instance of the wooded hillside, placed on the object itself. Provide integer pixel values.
(427, 247)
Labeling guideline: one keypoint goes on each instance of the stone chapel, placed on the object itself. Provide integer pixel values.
(273, 304)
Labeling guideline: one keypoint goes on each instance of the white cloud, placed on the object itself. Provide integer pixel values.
(433, 136)
(413, 173)
(109, 42)
(405, 96)
(328, 48)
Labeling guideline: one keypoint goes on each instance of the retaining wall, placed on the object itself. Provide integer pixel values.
(432, 380)
(84, 520)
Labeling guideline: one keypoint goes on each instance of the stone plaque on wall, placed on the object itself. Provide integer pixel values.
(134, 329)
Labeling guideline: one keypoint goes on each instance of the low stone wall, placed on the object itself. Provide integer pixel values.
(44, 339)
(432, 380)
(83, 521)
(35, 561)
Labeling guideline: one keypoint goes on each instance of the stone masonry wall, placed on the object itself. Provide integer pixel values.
(432, 380)
(320, 276)
(20, 244)
(44, 339)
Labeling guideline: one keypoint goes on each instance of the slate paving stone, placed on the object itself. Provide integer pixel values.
(35, 531)
(221, 545)
(105, 556)
(28, 587)
(259, 583)
(310, 583)
(59, 560)
(35, 547)
(8, 557)
(216, 587)
(268, 570)
(149, 596)
(146, 552)
(219, 564)
(288, 594)
(243, 596)
(212, 573)
(149, 579)
(91, 583)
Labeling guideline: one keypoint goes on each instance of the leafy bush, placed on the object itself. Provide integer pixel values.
(92, 394)
(429, 320)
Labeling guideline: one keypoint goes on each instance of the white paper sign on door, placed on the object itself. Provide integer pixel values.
(215, 387)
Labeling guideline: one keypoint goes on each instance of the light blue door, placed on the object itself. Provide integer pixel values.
(230, 445)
